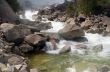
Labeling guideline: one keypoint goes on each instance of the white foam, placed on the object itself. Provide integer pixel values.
(93, 39)
(29, 15)
(56, 26)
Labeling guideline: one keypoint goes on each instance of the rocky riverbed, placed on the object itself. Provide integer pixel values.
(50, 41)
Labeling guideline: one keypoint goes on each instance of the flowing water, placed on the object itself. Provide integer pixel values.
(78, 60)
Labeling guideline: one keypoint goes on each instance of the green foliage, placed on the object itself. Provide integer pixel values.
(14, 4)
(87, 6)
(70, 9)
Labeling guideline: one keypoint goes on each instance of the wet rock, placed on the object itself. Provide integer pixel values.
(98, 48)
(15, 32)
(105, 69)
(80, 39)
(81, 46)
(65, 49)
(71, 31)
(17, 68)
(24, 68)
(34, 39)
(106, 33)
(15, 60)
(51, 44)
(34, 70)
(97, 30)
(26, 48)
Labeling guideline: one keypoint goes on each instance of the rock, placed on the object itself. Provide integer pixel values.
(72, 22)
(6, 26)
(14, 32)
(106, 20)
(24, 68)
(65, 49)
(34, 70)
(97, 30)
(71, 32)
(3, 67)
(105, 69)
(18, 68)
(63, 19)
(81, 18)
(15, 60)
(33, 39)
(108, 28)
(26, 48)
(106, 33)
(80, 39)
(98, 48)
(81, 46)
(86, 24)
(51, 44)
(69, 20)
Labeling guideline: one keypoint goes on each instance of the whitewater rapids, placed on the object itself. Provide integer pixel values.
(93, 39)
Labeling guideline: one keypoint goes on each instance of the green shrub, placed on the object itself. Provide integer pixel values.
(70, 9)
(87, 6)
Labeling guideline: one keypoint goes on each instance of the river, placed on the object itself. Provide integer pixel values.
(77, 60)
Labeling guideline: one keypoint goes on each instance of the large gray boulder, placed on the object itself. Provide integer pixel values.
(36, 25)
(34, 39)
(13, 32)
(71, 31)
(65, 49)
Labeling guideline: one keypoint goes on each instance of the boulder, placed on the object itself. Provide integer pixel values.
(6, 26)
(34, 39)
(97, 48)
(3, 67)
(65, 49)
(71, 32)
(15, 60)
(26, 48)
(81, 46)
(105, 69)
(14, 32)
